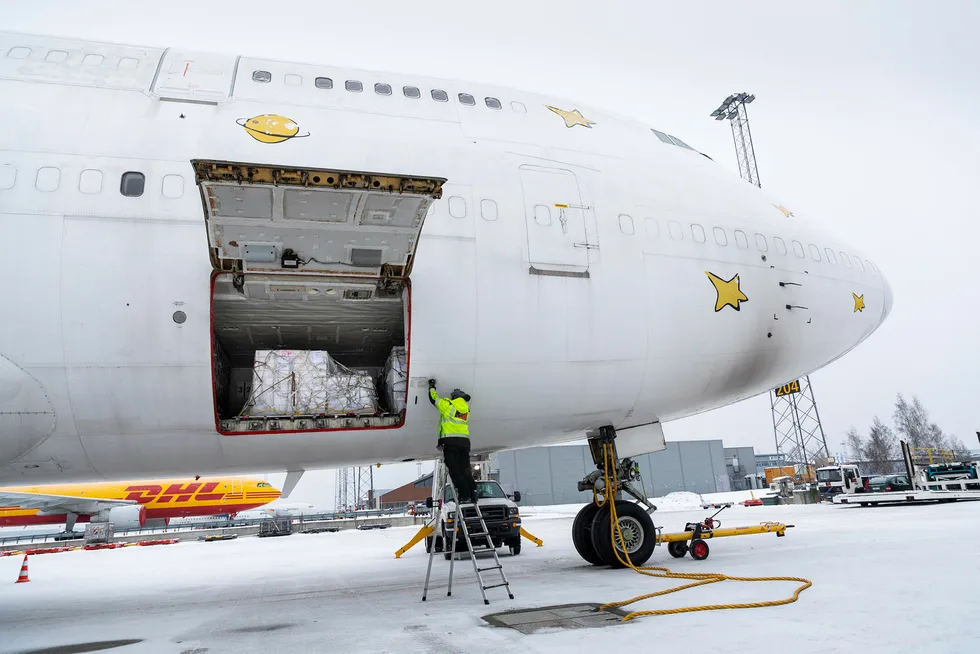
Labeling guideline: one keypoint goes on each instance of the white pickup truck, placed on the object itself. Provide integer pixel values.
(500, 513)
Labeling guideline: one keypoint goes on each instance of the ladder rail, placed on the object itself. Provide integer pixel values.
(460, 525)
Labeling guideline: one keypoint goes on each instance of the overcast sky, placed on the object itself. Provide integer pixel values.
(863, 121)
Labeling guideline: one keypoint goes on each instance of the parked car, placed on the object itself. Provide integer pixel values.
(886, 483)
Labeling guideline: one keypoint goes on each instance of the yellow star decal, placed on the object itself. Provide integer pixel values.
(786, 212)
(858, 302)
(573, 117)
(729, 293)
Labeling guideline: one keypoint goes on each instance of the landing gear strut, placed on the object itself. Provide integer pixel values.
(590, 531)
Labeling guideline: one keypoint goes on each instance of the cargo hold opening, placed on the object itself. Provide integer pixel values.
(310, 296)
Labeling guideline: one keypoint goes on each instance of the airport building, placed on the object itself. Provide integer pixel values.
(549, 475)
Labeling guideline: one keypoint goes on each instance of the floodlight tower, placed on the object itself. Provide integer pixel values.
(733, 108)
(795, 419)
(354, 487)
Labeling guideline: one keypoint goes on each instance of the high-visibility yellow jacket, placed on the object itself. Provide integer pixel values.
(454, 415)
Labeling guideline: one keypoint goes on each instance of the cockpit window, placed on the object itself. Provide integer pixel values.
(263, 484)
(663, 137)
(679, 142)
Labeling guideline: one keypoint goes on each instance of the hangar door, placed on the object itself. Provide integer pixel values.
(555, 216)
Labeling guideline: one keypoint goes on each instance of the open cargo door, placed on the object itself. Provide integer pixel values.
(310, 296)
(273, 219)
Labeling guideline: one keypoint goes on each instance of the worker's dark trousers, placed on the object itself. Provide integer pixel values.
(456, 454)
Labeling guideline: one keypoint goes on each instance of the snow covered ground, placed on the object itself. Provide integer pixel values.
(890, 579)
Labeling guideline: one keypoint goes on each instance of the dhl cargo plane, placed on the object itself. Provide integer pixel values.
(133, 504)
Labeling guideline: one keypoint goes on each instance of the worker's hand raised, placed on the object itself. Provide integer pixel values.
(432, 383)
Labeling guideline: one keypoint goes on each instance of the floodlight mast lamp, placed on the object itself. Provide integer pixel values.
(795, 420)
(733, 108)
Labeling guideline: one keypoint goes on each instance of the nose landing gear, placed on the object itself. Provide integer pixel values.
(636, 535)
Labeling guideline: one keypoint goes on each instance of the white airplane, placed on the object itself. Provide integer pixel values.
(166, 213)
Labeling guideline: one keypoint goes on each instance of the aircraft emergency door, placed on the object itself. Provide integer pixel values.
(555, 216)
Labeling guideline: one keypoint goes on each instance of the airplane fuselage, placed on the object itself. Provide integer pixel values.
(665, 287)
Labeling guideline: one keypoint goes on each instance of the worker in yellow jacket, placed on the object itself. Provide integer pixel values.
(454, 439)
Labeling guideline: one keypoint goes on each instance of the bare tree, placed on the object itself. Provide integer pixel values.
(854, 444)
(912, 423)
(880, 449)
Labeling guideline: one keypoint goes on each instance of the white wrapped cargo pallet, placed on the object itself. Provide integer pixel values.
(395, 379)
(289, 382)
(308, 382)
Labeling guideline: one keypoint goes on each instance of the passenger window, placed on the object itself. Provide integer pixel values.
(760, 243)
(653, 227)
(48, 179)
(830, 255)
(93, 60)
(488, 209)
(128, 63)
(132, 184)
(798, 249)
(626, 224)
(493, 103)
(8, 175)
(542, 215)
(382, 89)
(467, 99)
(780, 245)
(90, 181)
(411, 92)
(697, 231)
(518, 107)
(293, 80)
(846, 259)
(721, 237)
(323, 83)
(457, 207)
(741, 240)
(19, 53)
(56, 56)
(261, 76)
(814, 252)
(439, 95)
(674, 228)
(353, 86)
(173, 186)
(858, 264)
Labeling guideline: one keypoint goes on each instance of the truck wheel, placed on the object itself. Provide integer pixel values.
(699, 549)
(637, 530)
(515, 548)
(677, 549)
(582, 534)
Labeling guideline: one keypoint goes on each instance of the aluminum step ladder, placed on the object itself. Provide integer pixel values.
(484, 535)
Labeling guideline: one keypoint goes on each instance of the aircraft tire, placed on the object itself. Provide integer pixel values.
(638, 530)
(582, 534)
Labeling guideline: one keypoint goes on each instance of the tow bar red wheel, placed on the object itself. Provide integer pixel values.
(699, 549)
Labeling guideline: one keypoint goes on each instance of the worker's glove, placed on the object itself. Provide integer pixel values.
(432, 383)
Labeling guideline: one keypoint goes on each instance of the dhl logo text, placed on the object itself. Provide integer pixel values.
(144, 494)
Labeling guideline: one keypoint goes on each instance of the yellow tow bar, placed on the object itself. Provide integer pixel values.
(762, 528)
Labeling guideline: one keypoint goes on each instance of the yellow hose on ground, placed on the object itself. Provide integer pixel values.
(697, 578)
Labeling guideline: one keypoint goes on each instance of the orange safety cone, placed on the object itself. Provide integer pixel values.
(22, 577)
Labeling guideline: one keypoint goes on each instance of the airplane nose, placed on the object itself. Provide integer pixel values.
(889, 297)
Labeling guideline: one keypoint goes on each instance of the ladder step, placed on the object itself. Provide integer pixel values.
(495, 586)
(482, 533)
(493, 567)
